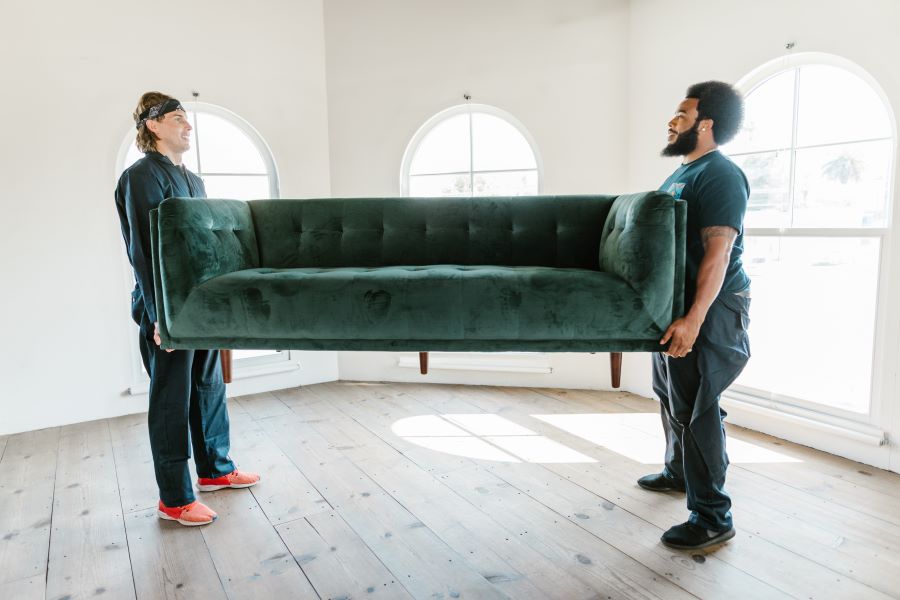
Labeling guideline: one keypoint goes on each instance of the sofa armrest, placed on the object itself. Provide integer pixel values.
(194, 240)
(643, 242)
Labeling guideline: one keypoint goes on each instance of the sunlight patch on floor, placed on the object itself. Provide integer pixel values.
(639, 436)
(469, 447)
(484, 437)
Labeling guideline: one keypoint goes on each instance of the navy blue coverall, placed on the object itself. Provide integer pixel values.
(716, 191)
(187, 393)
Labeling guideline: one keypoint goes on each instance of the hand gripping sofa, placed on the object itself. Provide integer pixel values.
(538, 273)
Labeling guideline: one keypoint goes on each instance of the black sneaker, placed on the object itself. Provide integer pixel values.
(689, 536)
(659, 482)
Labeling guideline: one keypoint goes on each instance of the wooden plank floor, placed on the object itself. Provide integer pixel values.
(437, 491)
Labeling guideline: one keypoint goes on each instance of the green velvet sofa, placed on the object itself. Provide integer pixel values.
(538, 273)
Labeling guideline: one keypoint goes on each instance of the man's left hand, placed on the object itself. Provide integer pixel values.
(683, 333)
(156, 337)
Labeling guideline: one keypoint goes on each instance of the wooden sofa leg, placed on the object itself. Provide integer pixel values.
(615, 366)
(423, 363)
(225, 359)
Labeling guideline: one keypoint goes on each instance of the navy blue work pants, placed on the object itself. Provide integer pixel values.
(689, 389)
(187, 408)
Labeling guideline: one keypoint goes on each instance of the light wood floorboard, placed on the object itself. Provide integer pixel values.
(27, 481)
(88, 548)
(32, 588)
(170, 561)
(337, 561)
(401, 491)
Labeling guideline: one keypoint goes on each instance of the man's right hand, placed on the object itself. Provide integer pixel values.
(682, 333)
(156, 336)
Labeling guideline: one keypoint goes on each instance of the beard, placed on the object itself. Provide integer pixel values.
(684, 144)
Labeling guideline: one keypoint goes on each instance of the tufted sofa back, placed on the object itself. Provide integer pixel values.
(552, 231)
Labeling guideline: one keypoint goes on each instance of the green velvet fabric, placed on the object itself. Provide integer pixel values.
(444, 302)
(638, 245)
(202, 240)
(550, 231)
(544, 273)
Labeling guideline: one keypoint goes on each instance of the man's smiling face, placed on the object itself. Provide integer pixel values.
(682, 129)
(173, 131)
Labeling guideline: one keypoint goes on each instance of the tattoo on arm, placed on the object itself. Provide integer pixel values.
(723, 231)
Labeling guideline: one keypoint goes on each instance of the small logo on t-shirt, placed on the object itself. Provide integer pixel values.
(675, 190)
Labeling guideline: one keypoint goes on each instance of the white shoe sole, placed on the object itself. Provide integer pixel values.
(166, 517)
(236, 486)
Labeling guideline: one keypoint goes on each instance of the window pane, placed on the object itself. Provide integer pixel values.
(189, 158)
(770, 181)
(498, 145)
(812, 318)
(237, 187)
(132, 157)
(224, 148)
(843, 186)
(440, 185)
(838, 106)
(768, 116)
(444, 149)
(517, 183)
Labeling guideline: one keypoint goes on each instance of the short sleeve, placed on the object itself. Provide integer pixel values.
(722, 195)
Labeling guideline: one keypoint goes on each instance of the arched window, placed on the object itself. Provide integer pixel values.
(226, 152)
(818, 148)
(471, 150)
(234, 162)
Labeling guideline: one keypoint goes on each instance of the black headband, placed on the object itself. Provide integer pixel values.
(158, 110)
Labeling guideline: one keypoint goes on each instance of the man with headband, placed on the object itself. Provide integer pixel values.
(187, 393)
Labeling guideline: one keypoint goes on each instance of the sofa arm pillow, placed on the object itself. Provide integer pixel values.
(643, 243)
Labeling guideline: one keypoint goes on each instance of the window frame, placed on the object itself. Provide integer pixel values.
(468, 108)
(868, 426)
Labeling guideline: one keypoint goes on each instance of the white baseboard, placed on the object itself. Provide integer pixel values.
(840, 436)
(479, 361)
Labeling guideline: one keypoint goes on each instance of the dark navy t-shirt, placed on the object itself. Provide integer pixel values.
(716, 191)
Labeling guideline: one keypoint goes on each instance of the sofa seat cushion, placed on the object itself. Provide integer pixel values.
(437, 302)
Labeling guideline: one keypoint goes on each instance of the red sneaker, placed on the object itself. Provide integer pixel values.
(192, 514)
(235, 479)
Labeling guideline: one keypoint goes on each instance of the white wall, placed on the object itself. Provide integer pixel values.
(558, 67)
(672, 45)
(71, 76)
(566, 370)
